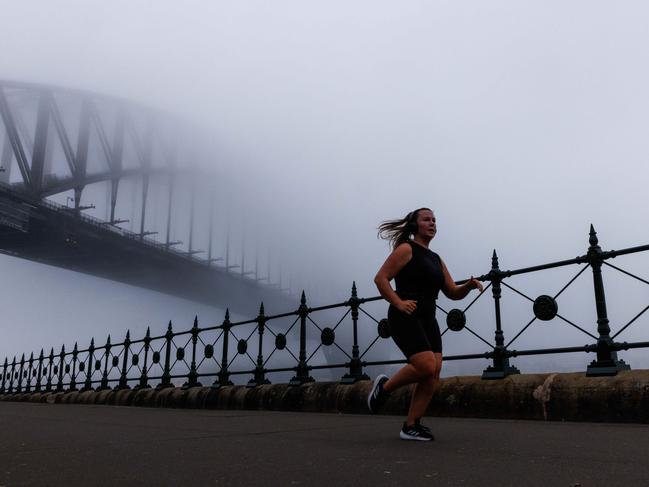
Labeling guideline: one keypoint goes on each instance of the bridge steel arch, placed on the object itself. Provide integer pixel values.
(40, 120)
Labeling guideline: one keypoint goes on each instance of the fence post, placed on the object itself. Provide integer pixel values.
(259, 374)
(91, 350)
(73, 377)
(104, 376)
(501, 367)
(355, 364)
(19, 386)
(607, 362)
(12, 376)
(223, 377)
(302, 370)
(48, 386)
(166, 374)
(59, 385)
(192, 377)
(4, 376)
(28, 387)
(123, 382)
(144, 378)
(39, 377)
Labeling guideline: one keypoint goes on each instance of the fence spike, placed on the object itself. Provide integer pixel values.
(593, 240)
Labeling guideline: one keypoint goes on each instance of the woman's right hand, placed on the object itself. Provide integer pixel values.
(408, 307)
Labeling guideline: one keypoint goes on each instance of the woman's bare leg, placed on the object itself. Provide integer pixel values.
(423, 392)
(421, 396)
(422, 365)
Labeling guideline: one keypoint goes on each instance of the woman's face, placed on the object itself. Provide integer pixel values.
(426, 224)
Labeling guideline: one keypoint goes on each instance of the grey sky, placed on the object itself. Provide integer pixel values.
(519, 123)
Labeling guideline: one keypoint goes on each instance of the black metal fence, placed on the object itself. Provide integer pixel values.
(212, 355)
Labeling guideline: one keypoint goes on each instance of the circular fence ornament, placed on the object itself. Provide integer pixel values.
(180, 353)
(242, 346)
(115, 362)
(545, 307)
(97, 365)
(327, 337)
(82, 367)
(280, 341)
(135, 359)
(383, 328)
(67, 368)
(34, 371)
(455, 319)
(25, 374)
(56, 370)
(209, 351)
(156, 357)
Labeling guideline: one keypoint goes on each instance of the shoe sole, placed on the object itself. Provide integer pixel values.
(373, 390)
(405, 436)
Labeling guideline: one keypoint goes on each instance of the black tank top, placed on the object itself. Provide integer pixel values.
(422, 277)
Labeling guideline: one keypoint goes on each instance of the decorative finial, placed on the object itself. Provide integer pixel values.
(593, 241)
(494, 260)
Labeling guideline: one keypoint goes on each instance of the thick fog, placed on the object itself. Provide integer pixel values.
(519, 123)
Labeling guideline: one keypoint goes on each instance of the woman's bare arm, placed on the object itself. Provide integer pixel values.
(391, 267)
(455, 292)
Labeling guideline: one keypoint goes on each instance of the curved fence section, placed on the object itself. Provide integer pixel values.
(298, 342)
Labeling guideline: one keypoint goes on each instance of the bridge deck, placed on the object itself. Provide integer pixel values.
(52, 234)
(44, 444)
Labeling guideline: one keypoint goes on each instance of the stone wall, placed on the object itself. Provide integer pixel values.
(570, 397)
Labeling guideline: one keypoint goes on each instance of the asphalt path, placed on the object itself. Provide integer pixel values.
(82, 445)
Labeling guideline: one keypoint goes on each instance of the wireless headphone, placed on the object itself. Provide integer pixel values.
(411, 224)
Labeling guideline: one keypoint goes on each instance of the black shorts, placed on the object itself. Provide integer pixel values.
(418, 332)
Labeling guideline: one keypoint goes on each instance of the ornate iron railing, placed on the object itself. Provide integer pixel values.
(206, 356)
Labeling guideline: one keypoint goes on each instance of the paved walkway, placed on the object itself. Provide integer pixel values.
(77, 445)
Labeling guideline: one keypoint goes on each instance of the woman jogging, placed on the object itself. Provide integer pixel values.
(419, 274)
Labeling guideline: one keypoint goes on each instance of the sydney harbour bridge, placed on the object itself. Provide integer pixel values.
(102, 186)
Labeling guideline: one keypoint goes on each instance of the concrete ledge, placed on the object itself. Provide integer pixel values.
(572, 397)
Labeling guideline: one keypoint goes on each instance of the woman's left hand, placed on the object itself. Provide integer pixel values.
(475, 284)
